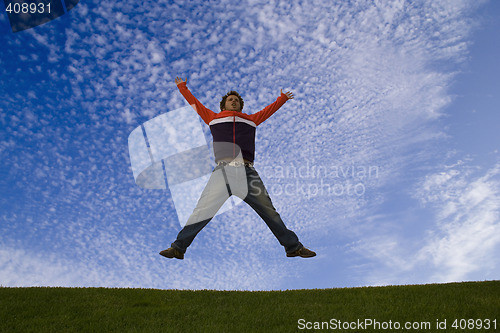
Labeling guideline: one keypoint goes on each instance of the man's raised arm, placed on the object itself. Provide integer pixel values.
(268, 111)
(206, 114)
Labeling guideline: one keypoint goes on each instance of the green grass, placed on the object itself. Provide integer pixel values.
(145, 310)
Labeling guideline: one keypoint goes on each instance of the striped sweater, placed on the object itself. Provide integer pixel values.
(233, 127)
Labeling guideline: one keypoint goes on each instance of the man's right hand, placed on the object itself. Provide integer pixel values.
(178, 80)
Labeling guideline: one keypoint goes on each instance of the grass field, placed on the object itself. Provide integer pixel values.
(370, 309)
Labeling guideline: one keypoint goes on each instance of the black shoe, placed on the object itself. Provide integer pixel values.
(172, 253)
(302, 252)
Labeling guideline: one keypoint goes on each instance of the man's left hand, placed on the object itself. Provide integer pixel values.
(288, 94)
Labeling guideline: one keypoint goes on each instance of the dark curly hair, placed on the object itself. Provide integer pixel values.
(232, 92)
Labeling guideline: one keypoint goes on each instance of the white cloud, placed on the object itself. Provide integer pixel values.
(468, 232)
(459, 242)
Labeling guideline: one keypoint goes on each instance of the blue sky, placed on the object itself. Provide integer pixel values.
(406, 91)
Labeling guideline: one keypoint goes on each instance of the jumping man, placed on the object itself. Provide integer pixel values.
(233, 134)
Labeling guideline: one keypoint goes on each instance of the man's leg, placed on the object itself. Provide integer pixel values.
(259, 200)
(212, 198)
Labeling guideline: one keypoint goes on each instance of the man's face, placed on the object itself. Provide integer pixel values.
(232, 103)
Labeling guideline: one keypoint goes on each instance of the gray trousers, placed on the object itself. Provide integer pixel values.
(244, 182)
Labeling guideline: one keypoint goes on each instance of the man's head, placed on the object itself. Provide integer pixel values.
(231, 101)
